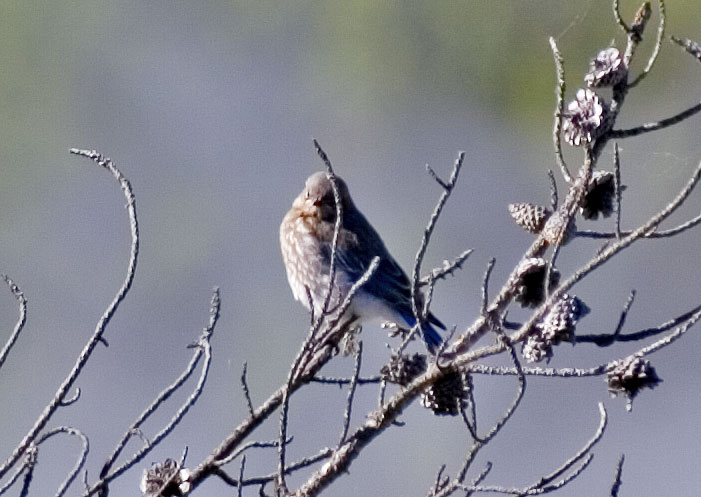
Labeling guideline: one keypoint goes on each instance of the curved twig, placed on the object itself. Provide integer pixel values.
(656, 50)
(428, 231)
(654, 126)
(80, 462)
(203, 348)
(96, 337)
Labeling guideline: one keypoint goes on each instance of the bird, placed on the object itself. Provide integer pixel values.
(306, 239)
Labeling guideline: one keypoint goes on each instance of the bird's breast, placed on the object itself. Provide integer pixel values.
(303, 256)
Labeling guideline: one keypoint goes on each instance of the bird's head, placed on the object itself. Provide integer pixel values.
(317, 196)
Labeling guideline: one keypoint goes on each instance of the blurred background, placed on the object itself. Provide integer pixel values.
(209, 108)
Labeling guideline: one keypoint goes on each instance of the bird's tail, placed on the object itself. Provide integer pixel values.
(431, 337)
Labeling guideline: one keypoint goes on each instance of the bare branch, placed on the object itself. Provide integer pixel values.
(519, 394)
(690, 47)
(438, 484)
(80, 462)
(617, 188)
(26, 466)
(351, 393)
(250, 445)
(346, 381)
(553, 191)
(619, 19)
(17, 293)
(72, 400)
(448, 268)
(691, 223)
(244, 386)
(243, 465)
(485, 286)
(479, 478)
(547, 372)
(559, 110)
(336, 228)
(671, 338)
(262, 480)
(624, 313)
(654, 126)
(428, 231)
(96, 337)
(203, 349)
(608, 339)
(582, 453)
(617, 481)
(656, 49)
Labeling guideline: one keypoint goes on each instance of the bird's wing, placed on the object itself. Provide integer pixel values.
(358, 244)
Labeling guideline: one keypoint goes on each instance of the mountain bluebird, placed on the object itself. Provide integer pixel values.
(306, 236)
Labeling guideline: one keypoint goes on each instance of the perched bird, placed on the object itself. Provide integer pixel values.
(306, 236)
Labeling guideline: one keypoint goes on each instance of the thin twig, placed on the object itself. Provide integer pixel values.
(15, 476)
(239, 492)
(246, 391)
(203, 349)
(671, 338)
(624, 313)
(553, 191)
(690, 47)
(656, 49)
(618, 477)
(580, 454)
(559, 110)
(381, 394)
(617, 188)
(480, 477)
(351, 393)
(691, 223)
(619, 19)
(80, 462)
(462, 474)
(19, 326)
(519, 394)
(537, 371)
(262, 480)
(247, 446)
(428, 231)
(608, 339)
(470, 425)
(333, 334)
(448, 268)
(336, 228)
(232, 441)
(485, 286)
(654, 126)
(96, 337)
(71, 400)
(471, 404)
(26, 482)
(531, 491)
(346, 381)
